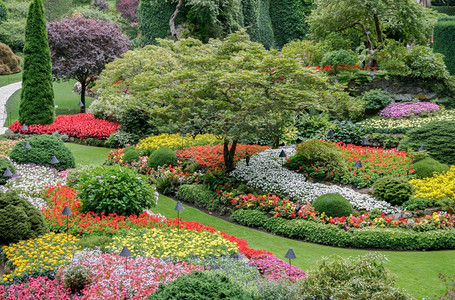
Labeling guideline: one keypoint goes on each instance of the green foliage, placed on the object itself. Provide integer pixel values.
(200, 285)
(37, 94)
(277, 290)
(92, 13)
(364, 277)
(308, 52)
(312, 125)
(131, 155)
(121, 139)
(19, 220)
(426, 64)
(43, 148)
(76, 277)
(347, 132)
(153, 19)
(340, 57)
(377, 99)
(417, 203)
(333, 205)
(258, 23)
(437, 136)
(394, 190)
(56, 9)
(115, 189)
(96, 242)
(3, 12)
(166, 182)
(74, 174)
(444, 42)
(162, 157)
(426, 167)
(4, 164)
(12, 33)
(198, 194)
(137, 122)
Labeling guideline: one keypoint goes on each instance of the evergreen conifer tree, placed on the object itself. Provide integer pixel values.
(37, 95)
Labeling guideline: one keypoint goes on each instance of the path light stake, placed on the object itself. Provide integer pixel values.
(247, 159)
(67, 212)
(54, 160)
(330, 134)
(178, 208)
(80, 104)
(365, 142)
(7, 173)
(422, 148)
(125, 253)
(358, 164)
(24, 127)
(283, 155)
(27, 145)
(290, 255)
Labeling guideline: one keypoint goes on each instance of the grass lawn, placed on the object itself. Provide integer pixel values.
(7, 79)
(66, 100)
(88, 155)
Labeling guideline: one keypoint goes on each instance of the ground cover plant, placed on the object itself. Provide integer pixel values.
(408, 110)
(440, 187)
(176, 141)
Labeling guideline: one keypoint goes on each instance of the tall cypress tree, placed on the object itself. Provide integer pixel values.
(37, 95)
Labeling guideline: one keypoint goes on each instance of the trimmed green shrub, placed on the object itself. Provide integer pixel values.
(19, 220)
(339, 57)
(444, 42)
(364, 277)
(428, 166)
(37, 94)
(198, 194)
(5, 163)
(394, 190)
(43, 148)
(3, 12)
(200, 285)
(333, 205)
(76, 277)
(437, 136)
(162, 157)
(130, 154)
(377, 99)
(115, 189)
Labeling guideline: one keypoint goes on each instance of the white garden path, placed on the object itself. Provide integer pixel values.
(6, 92)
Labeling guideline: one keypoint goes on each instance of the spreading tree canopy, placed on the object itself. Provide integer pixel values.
(37, 95)
(81, 48)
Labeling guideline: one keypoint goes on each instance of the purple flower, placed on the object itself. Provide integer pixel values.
(407, 110)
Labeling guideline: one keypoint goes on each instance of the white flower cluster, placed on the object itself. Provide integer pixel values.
(29, 181)
(265, 172)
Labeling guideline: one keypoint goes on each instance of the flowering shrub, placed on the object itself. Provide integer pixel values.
(175, 141)
(39, 288)
(116, 277)
(40, 256)
(437, 187)
(265, 172)
(81, 126)
(7, 146)
(168, 243)
(211, 157)
(116, 157)
(273, 268)
(407, 110)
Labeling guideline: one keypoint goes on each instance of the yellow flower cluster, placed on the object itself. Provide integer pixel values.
(176, 142)
(436, 187)
(47, 253)
(169, 243)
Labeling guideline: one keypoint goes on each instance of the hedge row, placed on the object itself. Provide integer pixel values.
(444, 41)
(327, 234)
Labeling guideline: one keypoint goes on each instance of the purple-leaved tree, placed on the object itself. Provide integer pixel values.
(81, 47)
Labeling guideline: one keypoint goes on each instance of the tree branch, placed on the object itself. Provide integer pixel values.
(172, 20)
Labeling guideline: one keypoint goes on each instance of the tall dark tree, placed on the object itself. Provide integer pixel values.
(37, 95)
(81, 48)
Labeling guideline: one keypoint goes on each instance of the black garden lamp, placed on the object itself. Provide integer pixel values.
(125, 253)
(7, 173)
(27, 145)
(54, 160)
(247, 159)
(290, 255)
(178, 208)
(422, 148)
(297, 208)
(24, 127)
(358, 164)
(80, 104)
(330, 134)
(67, 212)
(365, 142)
(283, 155)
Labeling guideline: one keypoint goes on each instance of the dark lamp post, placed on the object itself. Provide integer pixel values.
(54, 160)
(290, 255)
(7, 173)
(422, 148)
(330, 134)
(283, 155)
(247, 159)
(125, 253)
(67, 212)
(27, 145)
(178, 208)
(358, 164)
(365, 142)
(24, 127)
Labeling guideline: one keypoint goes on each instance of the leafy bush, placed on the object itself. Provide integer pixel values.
(339, 57)
(364, 277)
(130, 154)
(444, 33)
(312, 125)
(437, 136)
(428, 166)
(347, 132)
(377, 99)
(5, 163)
(128, 9)
(277, 290)
(115, 189)
(19, 220)
(417, 203)
(198, 194)
(43, 148)
(136, 121)
(74, 174)
(394, 190)
(121, 139)
(162, 157)
(92, 13)
(76, 277)
(333, 205)
(200, 285)
(101, 4)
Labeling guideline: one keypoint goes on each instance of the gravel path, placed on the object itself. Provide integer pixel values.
(6, 92)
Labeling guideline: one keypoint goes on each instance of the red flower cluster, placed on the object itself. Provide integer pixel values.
(211, 156)
(81, 126)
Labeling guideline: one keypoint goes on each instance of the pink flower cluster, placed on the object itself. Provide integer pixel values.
(81, 126)
(273, 268)
(407, 110)
(39, 288)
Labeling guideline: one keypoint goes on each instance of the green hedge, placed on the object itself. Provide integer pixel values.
(444, 42)
(198, 194)
(327, 234)
(257, 21)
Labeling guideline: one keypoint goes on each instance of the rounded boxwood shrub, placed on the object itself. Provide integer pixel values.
(394, 190)
(162, 157)
(428, 166)
(19, 220)
(333, 205)
(115, 189)
(43, 148)
(5, 163)
(200, 285)
(130, 154)
(376, 99)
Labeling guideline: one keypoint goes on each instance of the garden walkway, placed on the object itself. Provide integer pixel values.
(6, 92)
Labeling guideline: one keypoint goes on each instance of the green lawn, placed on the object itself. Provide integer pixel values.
(87, 155)
(7, 79)
(66, 100)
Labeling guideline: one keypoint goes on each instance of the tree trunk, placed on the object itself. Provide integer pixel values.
(378, 29)
(172, 20)
(228, 154)
(83, 88)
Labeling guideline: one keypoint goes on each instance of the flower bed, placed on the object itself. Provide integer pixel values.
(36, 288)
(7, 146)
(407, 110)
(176, 141)
(437, 187)
(81, 126)
(273, 268)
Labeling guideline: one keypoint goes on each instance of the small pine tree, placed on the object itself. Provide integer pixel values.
(37, 95)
